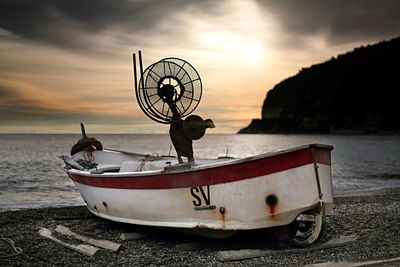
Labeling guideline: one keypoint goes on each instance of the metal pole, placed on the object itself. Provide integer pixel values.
(145, 107)
(316, 171)
(135, 72)
(83, 131)
(141, 68)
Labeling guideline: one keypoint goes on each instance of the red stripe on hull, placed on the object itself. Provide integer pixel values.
(216, 175)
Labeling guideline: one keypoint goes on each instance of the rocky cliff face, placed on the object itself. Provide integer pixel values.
(354, 92)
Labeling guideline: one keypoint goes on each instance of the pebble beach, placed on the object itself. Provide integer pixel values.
(372, 217)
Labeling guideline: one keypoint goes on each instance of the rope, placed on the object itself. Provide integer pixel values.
(89, 162)
(17, 250)
(89, 156)
(141, 166)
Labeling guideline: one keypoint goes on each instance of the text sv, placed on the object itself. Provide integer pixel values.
(200, 195)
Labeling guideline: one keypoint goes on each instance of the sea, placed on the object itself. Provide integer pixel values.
(32, 176)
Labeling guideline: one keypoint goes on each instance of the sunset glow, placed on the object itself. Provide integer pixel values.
(67, 62)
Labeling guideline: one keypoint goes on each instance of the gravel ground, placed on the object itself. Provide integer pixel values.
(374, 218)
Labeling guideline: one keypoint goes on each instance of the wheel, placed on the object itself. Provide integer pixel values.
(308, 227)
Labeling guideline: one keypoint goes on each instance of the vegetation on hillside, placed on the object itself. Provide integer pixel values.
(353, 92)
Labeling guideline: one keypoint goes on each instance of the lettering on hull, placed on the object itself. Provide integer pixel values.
(201, 198)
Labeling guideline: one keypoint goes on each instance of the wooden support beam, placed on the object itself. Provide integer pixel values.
(356, 264)
(232, 255)
(82, 248)
(95, 242)
(376, 262)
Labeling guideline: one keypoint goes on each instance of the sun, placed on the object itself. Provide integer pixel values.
(253, 51)
(230, 45)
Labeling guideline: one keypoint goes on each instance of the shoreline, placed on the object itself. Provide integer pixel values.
(373, 217)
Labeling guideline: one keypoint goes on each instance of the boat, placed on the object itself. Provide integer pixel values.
(289, 188)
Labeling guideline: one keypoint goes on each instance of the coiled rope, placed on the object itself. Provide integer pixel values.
(17, 250)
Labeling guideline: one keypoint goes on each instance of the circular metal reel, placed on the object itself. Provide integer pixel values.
(170, 81)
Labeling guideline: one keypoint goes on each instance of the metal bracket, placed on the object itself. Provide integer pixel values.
(208, 207)
(320, 194)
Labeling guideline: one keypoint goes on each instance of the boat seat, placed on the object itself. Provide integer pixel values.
(137, 166)
(108, 167)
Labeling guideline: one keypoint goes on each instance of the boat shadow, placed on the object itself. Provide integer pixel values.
(189, 239)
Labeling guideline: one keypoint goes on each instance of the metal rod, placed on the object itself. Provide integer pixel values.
(141, 68)
(316, 172)
(83, 131)
(135, 72)
(140, 95)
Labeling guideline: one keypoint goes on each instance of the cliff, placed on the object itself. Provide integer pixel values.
(355, 92)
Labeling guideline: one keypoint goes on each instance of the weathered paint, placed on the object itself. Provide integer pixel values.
(222, 211)
(243, 200)
(272, 211)
(272, 201)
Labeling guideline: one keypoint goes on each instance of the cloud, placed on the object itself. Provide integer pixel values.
(17, 109)
(76, 24)
(63, 61)
(340, 21)
(29, 113)
(80, 24)
(6, 92)
(23, 104)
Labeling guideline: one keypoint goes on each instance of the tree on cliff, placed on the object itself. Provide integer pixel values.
(356, 92)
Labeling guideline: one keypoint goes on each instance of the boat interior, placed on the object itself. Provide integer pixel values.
(110, 161)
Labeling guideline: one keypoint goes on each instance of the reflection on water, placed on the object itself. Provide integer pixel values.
(31, 175)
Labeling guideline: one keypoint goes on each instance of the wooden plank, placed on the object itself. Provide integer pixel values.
(376, 262)
(133, 236)
(95, 242)
(356, 264)
(329, 264)
(82, 248)
(232, 255)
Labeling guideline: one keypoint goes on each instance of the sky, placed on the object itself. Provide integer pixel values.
(63, 62)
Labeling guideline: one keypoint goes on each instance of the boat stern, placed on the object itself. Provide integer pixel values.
(323, 173)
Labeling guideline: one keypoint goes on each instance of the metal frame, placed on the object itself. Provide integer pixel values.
(146, 107)
(148, 113)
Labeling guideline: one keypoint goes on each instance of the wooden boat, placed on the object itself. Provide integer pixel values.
(290, 187)
(214, 196)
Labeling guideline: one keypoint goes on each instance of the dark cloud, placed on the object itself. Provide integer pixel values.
(17, 110)
(70, 23)
(340, 20)
(13, 108)
(26, 113)
(6, 92)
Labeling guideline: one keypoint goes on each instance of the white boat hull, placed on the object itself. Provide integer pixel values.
(216, 196)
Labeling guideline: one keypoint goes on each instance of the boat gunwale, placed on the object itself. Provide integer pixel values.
(240, 170)
(194, 168)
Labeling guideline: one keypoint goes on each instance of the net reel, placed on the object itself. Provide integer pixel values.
(167, 87)
(169, 90)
